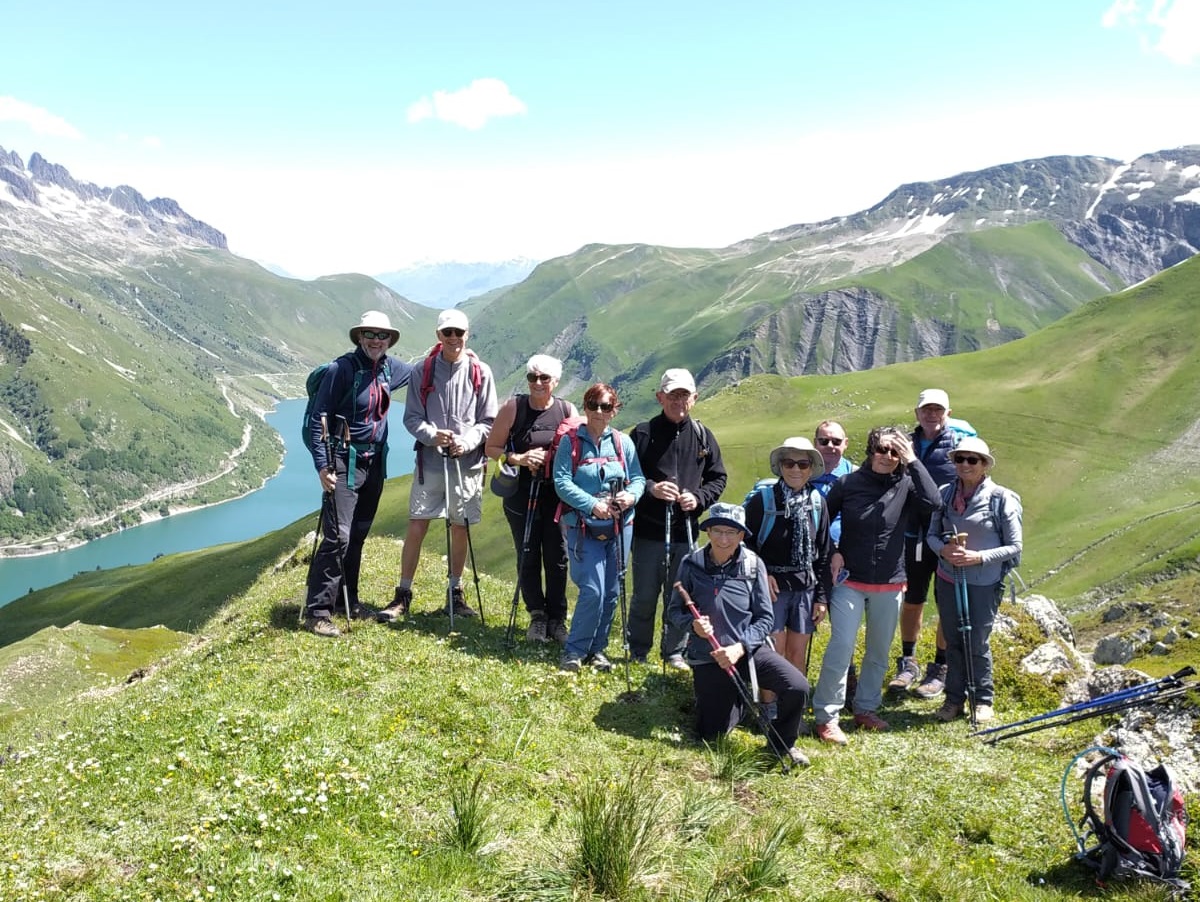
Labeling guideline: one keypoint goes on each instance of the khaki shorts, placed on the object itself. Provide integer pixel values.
(427, 500)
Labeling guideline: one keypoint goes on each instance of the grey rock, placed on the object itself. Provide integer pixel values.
(1158, 648)
(1047, 660)
(1114, 612)
(1048, 617)
(1113, 650)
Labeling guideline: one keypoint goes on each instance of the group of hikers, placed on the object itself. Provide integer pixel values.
(822, 540)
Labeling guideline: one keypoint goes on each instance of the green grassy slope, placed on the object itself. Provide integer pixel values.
(264, 762)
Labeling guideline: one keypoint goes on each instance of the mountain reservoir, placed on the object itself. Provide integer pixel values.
(287, 496)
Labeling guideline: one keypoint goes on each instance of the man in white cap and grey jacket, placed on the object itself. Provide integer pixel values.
(450, 409)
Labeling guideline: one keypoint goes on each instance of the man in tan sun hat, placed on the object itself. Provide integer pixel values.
(348, 414)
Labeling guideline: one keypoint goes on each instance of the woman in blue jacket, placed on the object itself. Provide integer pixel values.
(598, 479)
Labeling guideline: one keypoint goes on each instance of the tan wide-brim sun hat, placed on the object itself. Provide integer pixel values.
(800, 447)
(376, 321)
(973, 444)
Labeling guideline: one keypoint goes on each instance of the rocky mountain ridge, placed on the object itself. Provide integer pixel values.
(44, 209)
(934, 268)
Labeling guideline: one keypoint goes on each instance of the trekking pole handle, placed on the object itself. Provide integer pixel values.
(695, 612)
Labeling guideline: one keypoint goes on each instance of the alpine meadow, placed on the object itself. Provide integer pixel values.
(171, 733)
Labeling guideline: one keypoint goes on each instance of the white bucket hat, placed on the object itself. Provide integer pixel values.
(804, 448)
(376, 321)
(972, 444)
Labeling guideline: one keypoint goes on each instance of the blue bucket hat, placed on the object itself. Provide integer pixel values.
(722, 514)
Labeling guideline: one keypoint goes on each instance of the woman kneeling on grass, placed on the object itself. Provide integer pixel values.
(975, 535)
(727, 583)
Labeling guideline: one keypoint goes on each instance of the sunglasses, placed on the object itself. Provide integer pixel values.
(890, 452)
(453, 333)
(968, 459)
(836, 442)
(371, 334)
(606, 406)
(724, 532)
(538, 377)
(787, 463)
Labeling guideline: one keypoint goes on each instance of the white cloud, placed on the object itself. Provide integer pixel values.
(1169, 27)
(471, 107)
(41, 122)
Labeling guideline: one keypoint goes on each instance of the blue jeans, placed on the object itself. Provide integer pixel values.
(596, 572)
(846, 609)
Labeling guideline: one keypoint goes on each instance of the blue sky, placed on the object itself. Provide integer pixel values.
(366, 136)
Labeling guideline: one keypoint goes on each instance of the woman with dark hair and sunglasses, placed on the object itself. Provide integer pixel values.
(599, 480)
(789, 530)
(521, 437)
(977, 538)
(875, 502)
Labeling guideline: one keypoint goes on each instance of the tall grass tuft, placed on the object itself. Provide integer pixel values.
(466, 826)
(734, 762)
(759, 874)
(617, 829)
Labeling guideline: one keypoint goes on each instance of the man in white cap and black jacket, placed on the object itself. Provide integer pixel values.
(352, 400)
(727, 583)
(684, 472)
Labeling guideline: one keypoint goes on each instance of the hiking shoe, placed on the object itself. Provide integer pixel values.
(599, 662)
(907, 673)
(984, 714)
(537, 627)
(570, 665)
(934, 681)
(556, 631)
(798, 758)
(459, 600)
(676, 662)
(949, 711)
(869, 720)
(851, 688)
(401, 601)
(322, 626)
(831, 733)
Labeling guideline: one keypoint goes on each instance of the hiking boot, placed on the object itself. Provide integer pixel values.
(537, 627)
(556, 631)
(831, 733)
(869, 720)
(984, 714)
(322, 626)
(851, 688)
(401, 601)
(934, 681)
(907, 673)
(676, 662)
(949, 711)
(798, 758)
(599, 662)
(360, 611)
(570, 665)
(459, 600)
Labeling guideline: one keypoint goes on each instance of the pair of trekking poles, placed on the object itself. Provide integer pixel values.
(328, 506)
(449, 546)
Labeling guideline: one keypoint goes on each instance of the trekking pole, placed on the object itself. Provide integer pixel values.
(470, 547)
(337, 526)
(775, 741)
(317, 533)
(619, 537)
(530, 508)
(1159, 690)
(691, 537)
(449, 558)
(962, 604)
(668, 579)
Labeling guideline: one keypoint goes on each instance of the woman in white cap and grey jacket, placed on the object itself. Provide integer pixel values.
(789, 529)
(986, 519)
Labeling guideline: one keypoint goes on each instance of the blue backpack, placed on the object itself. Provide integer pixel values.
(766, 488)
